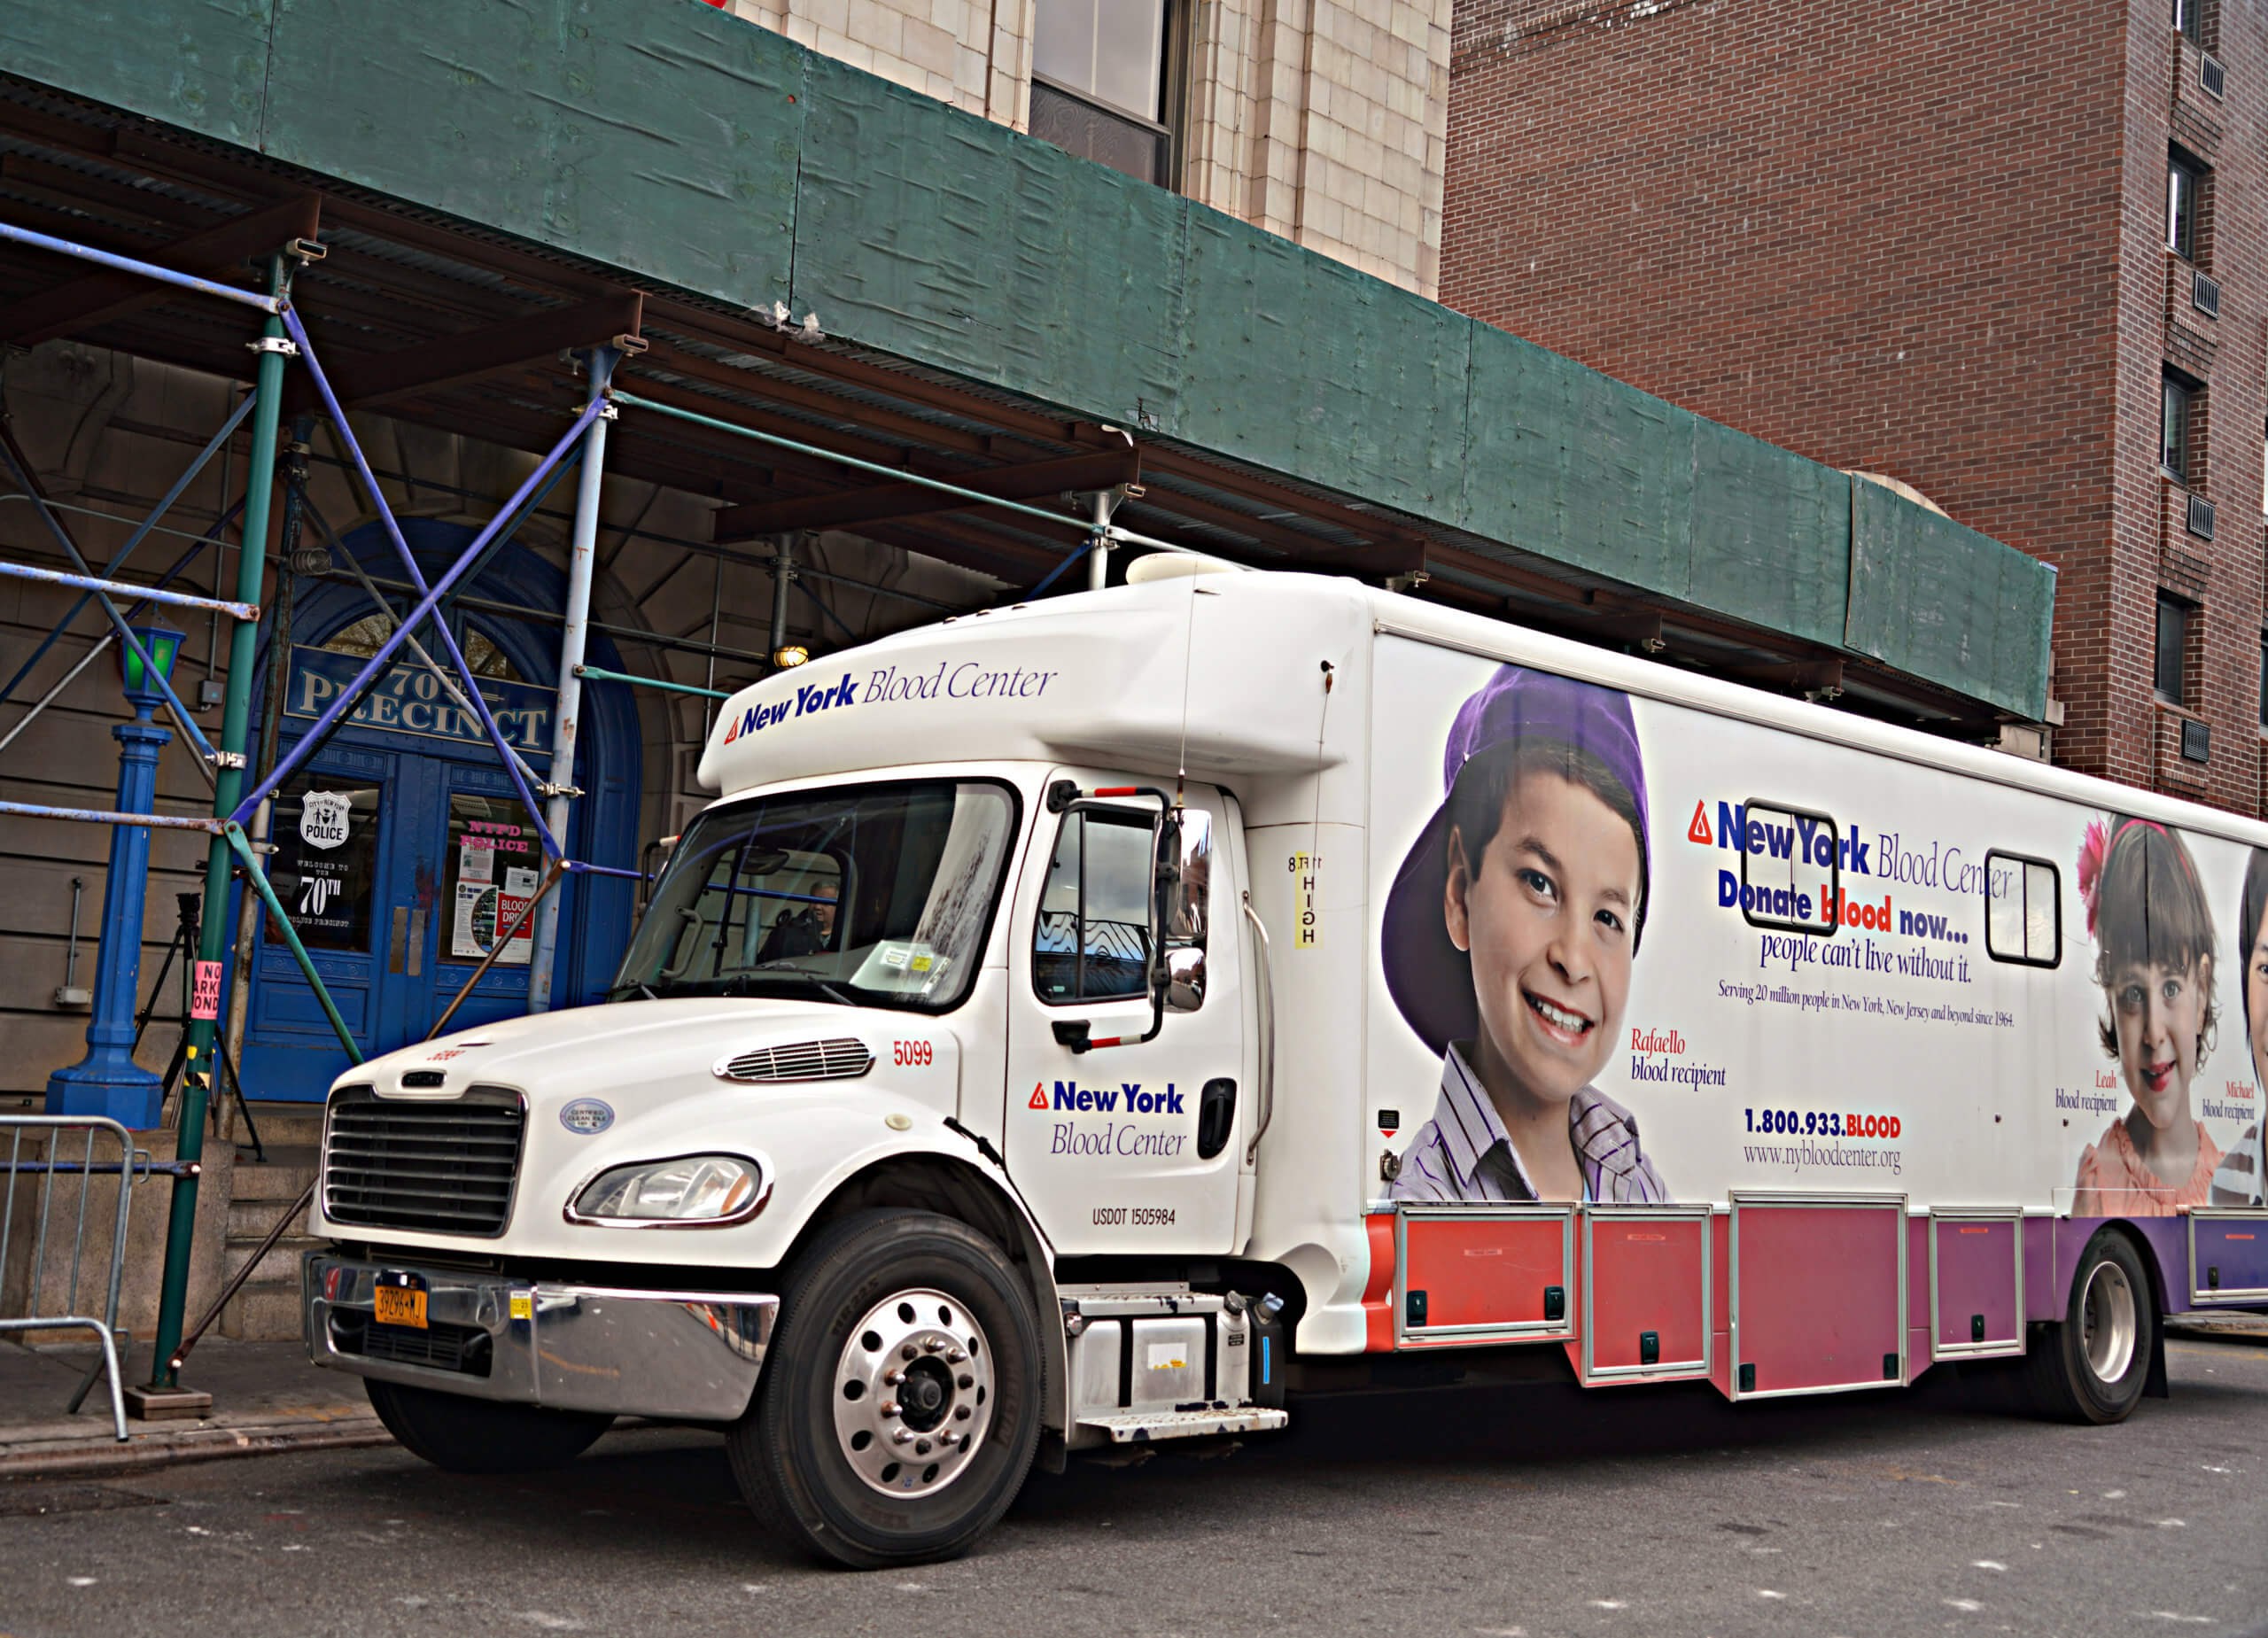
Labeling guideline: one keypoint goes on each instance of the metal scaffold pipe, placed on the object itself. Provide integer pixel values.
(582, 557)
(146, 270)
(127, 588)
(783, 575)
(236, 720)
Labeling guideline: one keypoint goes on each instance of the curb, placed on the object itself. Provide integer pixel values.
(213, 1444)
(2249, 1328)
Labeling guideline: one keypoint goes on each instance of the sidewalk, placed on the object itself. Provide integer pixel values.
(266, 1398)
(2235, 1326)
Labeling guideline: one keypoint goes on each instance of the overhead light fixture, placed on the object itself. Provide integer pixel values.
(793, 655)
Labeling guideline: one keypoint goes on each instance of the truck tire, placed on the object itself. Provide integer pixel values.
(2092, 1367)
(899, 1404)
(460, 1435)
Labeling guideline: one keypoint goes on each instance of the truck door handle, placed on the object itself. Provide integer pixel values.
(400, 935)
(1217, 1115)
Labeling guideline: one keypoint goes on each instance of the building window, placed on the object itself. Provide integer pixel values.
(2168, 671)
(2185, 192)
(2189, 20)
(2173, 438)
(2263, 679)
(1101, 85)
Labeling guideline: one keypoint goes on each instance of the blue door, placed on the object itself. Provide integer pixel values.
(401, 849)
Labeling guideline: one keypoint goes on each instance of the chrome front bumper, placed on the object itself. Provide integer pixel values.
(681, 1353)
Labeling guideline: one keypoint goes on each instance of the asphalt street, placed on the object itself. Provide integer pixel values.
(1533, 1511)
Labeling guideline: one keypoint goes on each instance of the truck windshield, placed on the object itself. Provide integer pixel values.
(868, 894)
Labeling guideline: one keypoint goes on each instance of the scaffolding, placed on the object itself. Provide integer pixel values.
(785, 431)
(283, 343)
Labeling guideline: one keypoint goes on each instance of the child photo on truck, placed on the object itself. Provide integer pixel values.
(1508, 939)
(2153, 932)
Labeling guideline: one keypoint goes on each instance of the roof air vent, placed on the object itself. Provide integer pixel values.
(839, 1059)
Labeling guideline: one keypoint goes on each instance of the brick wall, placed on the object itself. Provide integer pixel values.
(1916, 237)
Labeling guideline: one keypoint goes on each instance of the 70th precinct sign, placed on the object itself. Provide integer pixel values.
(409, 699)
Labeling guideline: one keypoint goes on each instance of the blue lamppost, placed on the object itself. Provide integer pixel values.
(107, 1081)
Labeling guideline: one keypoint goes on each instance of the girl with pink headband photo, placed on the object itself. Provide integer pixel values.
(2154, 934)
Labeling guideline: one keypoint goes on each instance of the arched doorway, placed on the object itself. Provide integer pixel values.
(402, 847)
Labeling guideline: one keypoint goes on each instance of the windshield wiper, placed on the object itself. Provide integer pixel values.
(618, 991)
(794, 975)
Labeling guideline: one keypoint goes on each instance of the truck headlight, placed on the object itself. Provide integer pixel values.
(693, 1191)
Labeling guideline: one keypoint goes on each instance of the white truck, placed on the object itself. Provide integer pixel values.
(1080, 1023)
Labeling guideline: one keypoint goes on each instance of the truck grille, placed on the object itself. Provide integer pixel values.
(441, 1167)
(465, 1349)
(838, 1060)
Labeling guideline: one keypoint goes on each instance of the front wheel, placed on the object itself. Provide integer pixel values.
(2093, 1366)
(900, 1402)
(460, 1435)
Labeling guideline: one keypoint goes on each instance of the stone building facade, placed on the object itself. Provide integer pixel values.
(2008, 255)
(1323, 121)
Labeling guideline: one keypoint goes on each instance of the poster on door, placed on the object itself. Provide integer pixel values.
(325, 832)
(491, 878)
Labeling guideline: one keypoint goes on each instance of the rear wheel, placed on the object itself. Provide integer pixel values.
(900, 1400)
(2093, 1366)
(460, 1435)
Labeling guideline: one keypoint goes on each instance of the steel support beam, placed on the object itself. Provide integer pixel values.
(582, 557)
(846, 509)
(98, 296)
(370, 378)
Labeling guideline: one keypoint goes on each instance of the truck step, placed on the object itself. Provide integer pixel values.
(1136, 1427)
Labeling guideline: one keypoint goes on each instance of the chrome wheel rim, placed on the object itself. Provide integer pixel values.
(2108, 1321)
(913, 1393)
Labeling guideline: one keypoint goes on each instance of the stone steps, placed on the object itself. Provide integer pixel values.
(267, 1308)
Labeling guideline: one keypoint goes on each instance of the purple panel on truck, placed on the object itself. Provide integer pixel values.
(1976, 1276)
(2228, 1257)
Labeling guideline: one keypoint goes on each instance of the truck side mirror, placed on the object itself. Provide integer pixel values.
(1185, 980)
(1184, 879)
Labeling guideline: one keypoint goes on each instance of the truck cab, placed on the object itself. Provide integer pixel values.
(928, 1120)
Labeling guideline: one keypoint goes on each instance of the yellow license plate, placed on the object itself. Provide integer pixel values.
(398, 1305)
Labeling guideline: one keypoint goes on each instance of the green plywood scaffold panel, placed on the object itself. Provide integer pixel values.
(200, 65)
(1934, 598)
(1301, 364)
(670, 141)
(940, 237)
(670, 148)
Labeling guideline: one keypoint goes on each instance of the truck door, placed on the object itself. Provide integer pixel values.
(1133, 1148)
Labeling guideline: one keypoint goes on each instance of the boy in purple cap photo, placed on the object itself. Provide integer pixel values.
(1508, 943)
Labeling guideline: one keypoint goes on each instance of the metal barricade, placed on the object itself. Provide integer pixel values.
(71, 1154)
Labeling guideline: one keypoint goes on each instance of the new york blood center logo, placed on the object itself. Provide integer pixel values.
(956, 680)
(1114, 1136)
(1804, 840)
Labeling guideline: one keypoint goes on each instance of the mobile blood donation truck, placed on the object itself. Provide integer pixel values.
(1086, 1022)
